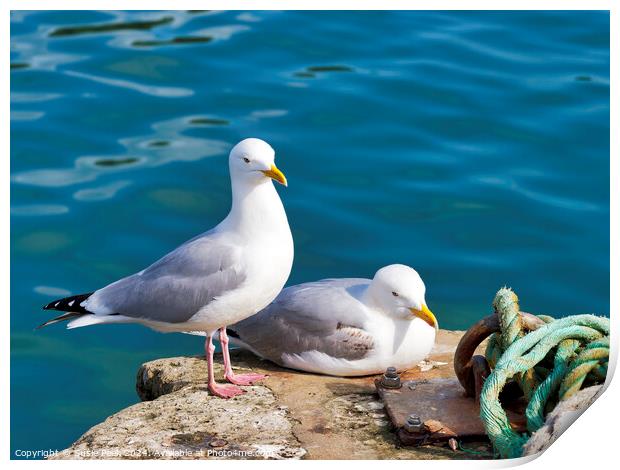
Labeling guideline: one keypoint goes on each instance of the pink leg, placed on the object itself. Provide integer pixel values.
(222, 391)
(239, 379)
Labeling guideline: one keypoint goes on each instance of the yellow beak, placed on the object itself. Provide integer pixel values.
(426, 315)
(276, 174)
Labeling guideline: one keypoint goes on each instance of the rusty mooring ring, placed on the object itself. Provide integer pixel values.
(468, 368)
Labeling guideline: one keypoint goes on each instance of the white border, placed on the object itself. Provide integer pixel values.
(588, 444)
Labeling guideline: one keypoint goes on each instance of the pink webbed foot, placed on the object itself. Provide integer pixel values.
(225, 391)
(244, 379)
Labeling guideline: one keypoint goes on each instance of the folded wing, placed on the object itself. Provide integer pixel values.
(321, 316)
(174, 288)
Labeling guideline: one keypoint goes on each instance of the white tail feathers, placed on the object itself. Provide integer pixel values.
(88, 320)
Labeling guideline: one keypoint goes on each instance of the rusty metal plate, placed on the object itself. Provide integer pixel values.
(444, 409)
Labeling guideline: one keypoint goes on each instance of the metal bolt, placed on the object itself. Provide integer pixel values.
(390, 378)
(413, 424)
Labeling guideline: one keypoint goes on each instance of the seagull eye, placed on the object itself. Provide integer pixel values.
(246, 159)
(395, 294)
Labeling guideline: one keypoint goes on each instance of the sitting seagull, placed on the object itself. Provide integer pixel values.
(215, 279)
(344, 327)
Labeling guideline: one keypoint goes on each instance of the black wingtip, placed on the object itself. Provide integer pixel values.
(63, 317)
(69, 304)
(232, 333)
(54, 304)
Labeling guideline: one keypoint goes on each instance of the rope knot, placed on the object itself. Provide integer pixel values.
(550, 364)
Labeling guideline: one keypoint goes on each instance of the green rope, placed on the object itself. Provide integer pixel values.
(536, 408)
(549, 364)
(474, 452)
(586, 361)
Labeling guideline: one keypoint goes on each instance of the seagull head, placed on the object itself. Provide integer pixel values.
(399, 291)
(252, 160)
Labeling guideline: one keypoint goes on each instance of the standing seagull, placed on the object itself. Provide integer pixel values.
(215, 279)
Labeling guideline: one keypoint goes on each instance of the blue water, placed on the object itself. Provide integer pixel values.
(473, 146)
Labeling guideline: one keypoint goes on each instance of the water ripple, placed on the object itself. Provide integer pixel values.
(26, 115)
(165, 145)
(39, 209)
(33, 97)
(101, 193)
(52, 291)
(108, 27)
(159, 91)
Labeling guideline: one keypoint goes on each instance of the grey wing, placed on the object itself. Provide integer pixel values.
(320, 316)
(174, 288)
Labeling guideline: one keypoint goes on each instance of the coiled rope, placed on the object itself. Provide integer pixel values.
(550, 364)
